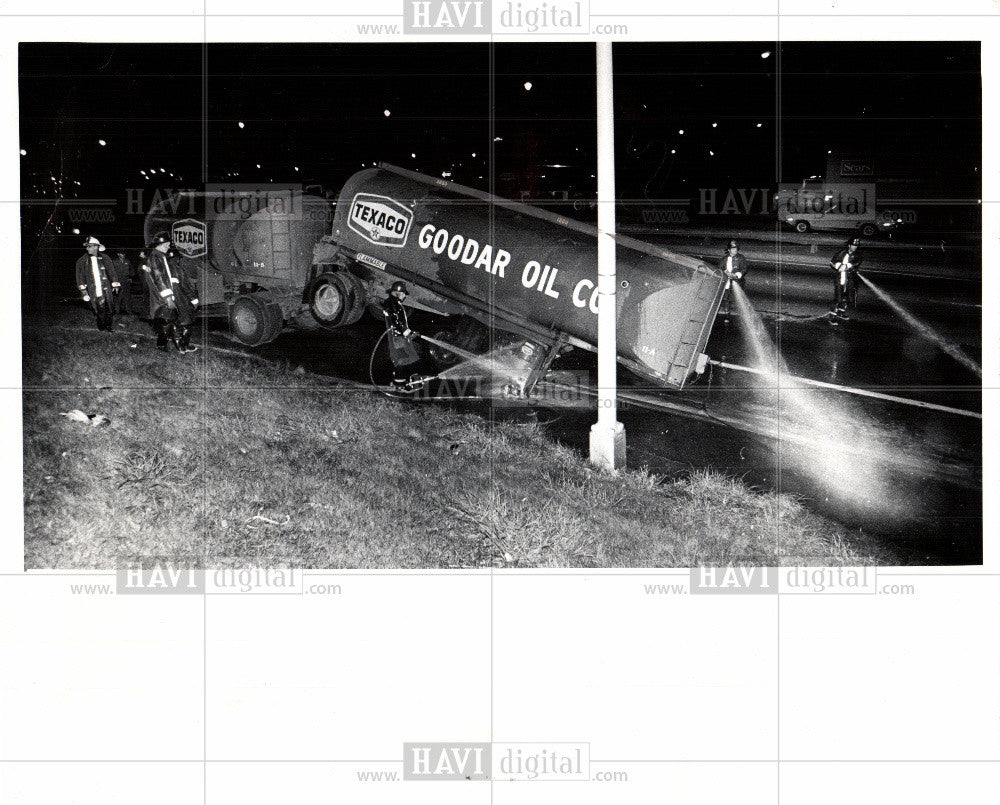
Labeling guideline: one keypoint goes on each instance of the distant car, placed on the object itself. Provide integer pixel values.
(868, 224)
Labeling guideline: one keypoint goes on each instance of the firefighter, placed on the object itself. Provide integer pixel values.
(845, 281)
(403, 354)
(97, 283)
(735, 267)
(116, 293)
(123, 268)
(186, 294)
(172, 302)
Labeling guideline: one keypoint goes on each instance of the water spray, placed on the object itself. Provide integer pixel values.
(766, 354)
(924, 329)
(491, 363)
(842, 449)
(485, 361)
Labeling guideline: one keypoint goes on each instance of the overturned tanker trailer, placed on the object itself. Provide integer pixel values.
(490, 264)
(526, 271)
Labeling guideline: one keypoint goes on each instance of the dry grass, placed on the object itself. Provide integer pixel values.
(226, 461)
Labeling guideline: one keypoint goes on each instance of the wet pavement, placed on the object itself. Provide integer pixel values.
(910, 474)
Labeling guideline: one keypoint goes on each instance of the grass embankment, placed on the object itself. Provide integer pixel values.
(238, 462)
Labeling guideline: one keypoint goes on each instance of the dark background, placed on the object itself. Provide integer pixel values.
(172, 110)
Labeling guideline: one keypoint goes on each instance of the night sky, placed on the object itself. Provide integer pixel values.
(175, 109)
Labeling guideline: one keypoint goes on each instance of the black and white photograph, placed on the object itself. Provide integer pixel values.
(473, 402)
(512, 305)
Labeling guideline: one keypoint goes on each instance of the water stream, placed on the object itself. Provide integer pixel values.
(924, 329)
(823, 435)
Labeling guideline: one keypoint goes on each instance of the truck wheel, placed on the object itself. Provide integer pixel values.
(274, 320)
(326, 300)
(357, 298)
(254, 319)
(336, 300)
(868, 230)
(802, 226)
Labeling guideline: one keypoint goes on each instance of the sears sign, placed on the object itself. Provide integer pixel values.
(380, 220)
(856, 167)
(188, 237)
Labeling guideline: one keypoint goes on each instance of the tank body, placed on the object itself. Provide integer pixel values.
(257, 237)
(523, 263)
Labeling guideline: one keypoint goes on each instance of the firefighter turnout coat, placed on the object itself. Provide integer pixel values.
(845, 264)
(401, 350)
(95, 278)
(735, 267)
(172, 289)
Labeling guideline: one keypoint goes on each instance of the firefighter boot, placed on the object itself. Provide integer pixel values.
(162, 334)
(173, 336)
(184, 342)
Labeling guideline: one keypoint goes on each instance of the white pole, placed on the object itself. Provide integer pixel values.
(607, 435)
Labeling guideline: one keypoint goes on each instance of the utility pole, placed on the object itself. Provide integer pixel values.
(607, 435)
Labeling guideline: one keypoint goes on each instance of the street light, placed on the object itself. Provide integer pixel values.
(607, 435)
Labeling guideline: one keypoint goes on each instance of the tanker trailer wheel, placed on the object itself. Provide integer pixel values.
(802, 226)
(336, 299)
(255, 319)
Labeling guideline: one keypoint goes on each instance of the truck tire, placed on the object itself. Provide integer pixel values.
(255, 319)
(801, 226)
(336, 299)
(274, 320)
(868, 230)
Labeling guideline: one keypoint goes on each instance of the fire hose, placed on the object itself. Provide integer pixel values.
(850, 390)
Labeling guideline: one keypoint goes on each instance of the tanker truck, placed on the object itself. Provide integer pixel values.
(254, 252)
(491, 265)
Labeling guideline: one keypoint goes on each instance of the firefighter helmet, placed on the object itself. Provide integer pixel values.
(732, 245)
(855, 242)
(158, 238)
(398, 287)
(92, 241)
